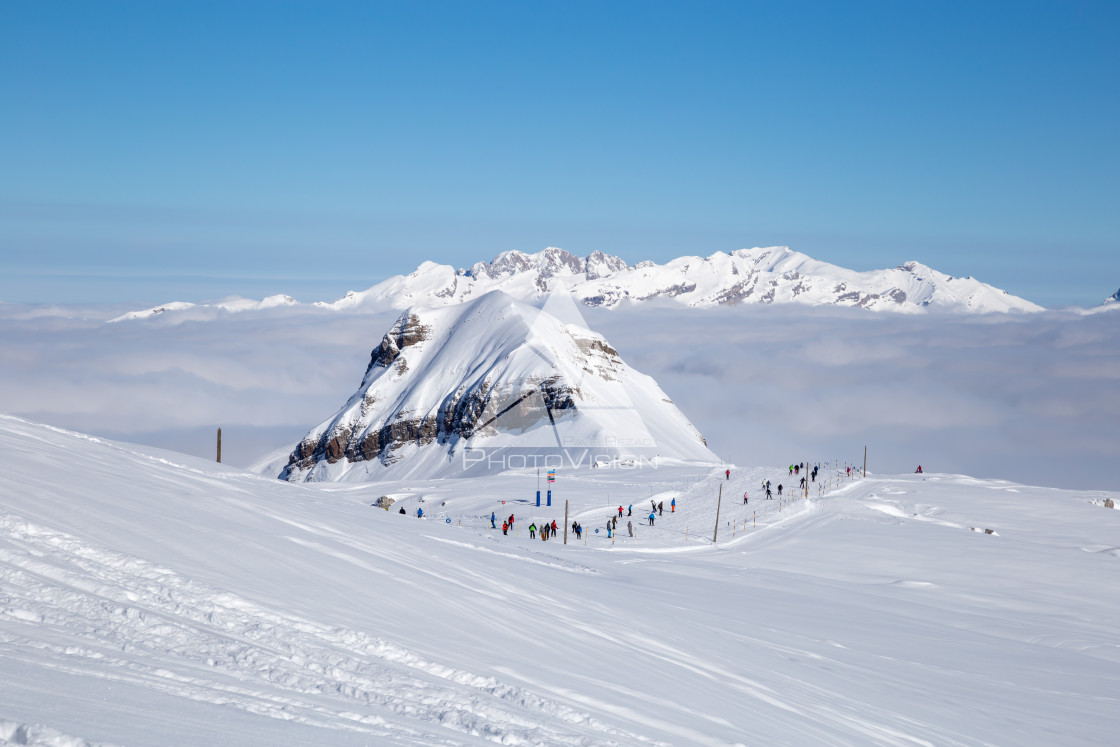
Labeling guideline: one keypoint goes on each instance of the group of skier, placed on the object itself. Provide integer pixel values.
(656, 508)
(794, 469)
(550, 529)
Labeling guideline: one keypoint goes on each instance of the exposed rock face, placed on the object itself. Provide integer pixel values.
(407, 331)
(486, 373)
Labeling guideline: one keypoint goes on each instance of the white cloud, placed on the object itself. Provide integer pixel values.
(1031, 399)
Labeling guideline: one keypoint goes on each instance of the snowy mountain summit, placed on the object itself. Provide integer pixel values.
(773, 275)
(491, 385)
(1113, 300)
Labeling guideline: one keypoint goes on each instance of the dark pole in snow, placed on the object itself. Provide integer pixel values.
(864, 473)
(565, 521)
(718, 502)
(219, 444)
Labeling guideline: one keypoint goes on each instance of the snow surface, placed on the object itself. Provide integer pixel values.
(149, 598)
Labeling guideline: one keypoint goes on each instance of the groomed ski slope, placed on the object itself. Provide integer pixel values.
(151, 598)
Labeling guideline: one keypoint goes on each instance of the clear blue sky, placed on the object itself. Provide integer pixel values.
(158, 151)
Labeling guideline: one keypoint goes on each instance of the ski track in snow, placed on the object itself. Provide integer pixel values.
(173, 635)
(924, 650)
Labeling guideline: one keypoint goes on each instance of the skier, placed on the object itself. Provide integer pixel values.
(493, 518)
(918, 471)
(620, 512)
(630, 509)
(510, 521)
(673, 506)
(791, 469)
(630, 528)
(608, 530)
(779, 490)
(402, 509)
(728, 473)
(769, 495)
(651, 515)
(614, 522)
(544, 532)
(660, 508)
(745, 499)
(532, 531)
(579, 531)
(505, 528)
(802, 482)
(553, 532)
(419, 513)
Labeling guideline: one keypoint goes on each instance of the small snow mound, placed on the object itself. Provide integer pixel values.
(906, 584)
(41, 736)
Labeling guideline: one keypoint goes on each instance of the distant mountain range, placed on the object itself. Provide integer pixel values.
(774, 275)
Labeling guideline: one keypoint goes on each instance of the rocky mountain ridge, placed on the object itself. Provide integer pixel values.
(771, 275)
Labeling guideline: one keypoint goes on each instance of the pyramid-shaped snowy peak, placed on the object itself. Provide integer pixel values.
(491, 385)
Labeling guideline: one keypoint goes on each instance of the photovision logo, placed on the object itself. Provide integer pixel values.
(559, 420)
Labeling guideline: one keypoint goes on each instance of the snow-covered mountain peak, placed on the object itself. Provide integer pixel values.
(760, 275)
(1113, 299)
(233, 304)
(494, 377)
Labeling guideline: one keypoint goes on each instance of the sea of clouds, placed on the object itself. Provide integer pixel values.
(1030, 398)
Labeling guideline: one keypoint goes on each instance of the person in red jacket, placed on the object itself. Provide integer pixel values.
(728, 473)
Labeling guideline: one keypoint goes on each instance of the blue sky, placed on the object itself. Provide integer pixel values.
(164, 151)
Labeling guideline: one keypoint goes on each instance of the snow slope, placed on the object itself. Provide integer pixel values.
(147, 598)
(489, 383)
(771, 275)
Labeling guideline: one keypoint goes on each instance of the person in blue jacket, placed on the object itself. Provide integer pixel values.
(493, 520)
(419, 513)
